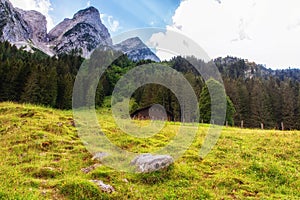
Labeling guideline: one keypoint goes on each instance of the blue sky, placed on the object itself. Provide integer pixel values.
(264, 31)
(120, 15)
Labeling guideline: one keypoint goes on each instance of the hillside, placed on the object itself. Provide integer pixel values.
(238, 68)
(271, 98)
(42, 157)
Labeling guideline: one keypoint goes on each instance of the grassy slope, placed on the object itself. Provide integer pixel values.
(41, 158)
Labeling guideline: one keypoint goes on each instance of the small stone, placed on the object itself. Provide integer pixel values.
(104, 187)
(146, 163)
(90, 168)
(125, 180)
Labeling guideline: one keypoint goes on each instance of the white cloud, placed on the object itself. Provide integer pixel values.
(112, 24)
(42, 6)
(294, 25)
(174, 43)
(264, 31)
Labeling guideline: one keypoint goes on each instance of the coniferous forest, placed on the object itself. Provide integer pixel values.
(256, 95)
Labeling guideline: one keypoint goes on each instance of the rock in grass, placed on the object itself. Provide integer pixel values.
(103, 187)
(146, 163)
(90, 168)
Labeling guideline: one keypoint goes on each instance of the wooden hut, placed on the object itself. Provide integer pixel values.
(155, 112)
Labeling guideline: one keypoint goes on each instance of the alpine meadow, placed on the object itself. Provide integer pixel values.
(67, 130)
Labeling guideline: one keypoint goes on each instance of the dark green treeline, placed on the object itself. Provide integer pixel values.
(255, 95)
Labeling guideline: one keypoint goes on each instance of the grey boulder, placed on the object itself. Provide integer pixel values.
(147, 163)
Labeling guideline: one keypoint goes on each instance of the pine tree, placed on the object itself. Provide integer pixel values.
(230, 111)
(31, 92)
(213, 110)
(288, 105)
(65, 91)
(260, 104)
(48, 86)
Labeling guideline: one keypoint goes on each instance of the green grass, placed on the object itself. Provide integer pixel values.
(42, 157)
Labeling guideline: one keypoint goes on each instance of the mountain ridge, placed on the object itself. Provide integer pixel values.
(82, 34)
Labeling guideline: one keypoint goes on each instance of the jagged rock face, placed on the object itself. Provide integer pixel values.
(84, 32)
(59, 29)
(12, 26)
(37, 23)
(136, 50)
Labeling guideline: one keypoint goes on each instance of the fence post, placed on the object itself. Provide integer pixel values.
(282, 126)
(262, 126)
(242, 124)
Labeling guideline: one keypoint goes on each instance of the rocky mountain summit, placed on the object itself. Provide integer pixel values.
(83, 33)
(37, 24)
(136, 50)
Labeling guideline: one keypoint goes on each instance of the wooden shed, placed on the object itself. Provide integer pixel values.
(153, 112)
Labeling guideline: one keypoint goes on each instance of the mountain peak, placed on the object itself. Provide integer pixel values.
(84, 32)
(90, 11)
(136, 50)
(132, 43)
(134, 39)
